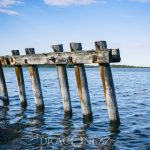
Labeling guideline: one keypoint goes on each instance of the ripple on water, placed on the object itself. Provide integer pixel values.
(24, 129)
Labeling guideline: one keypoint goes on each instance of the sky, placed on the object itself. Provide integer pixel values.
(124, 24)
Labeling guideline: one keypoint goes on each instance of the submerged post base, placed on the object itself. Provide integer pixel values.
(87, 118)
(3, 98)
(68, 114)
(23, 104)
(40, 107)
(115, 123)
(6, 102)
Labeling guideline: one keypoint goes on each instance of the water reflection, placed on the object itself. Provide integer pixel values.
(79, 138)
(27, 133)
(32, 134)
(8, 132)
(27, 129)
(24, 133)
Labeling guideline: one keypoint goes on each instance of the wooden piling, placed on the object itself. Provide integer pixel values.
(3, 98)
(63, 83)
(82, 85)
(35, 81)
(20, 81)
(3, 87)
(108, 86)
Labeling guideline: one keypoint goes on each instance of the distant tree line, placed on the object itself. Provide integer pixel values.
(86, 66)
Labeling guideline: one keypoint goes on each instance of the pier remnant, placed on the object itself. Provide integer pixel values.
(20, 81)
(35, 81)
(63, 83)
(82, 85)
(3, 87)
(78, 58)
(108, 86)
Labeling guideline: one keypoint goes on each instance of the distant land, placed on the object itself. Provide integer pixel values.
(127, 66)
(87, 66)
(118, 66)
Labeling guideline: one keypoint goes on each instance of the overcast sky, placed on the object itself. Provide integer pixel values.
(124, 24)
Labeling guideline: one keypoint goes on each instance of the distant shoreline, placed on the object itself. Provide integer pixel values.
(127, 66)
(86, 66)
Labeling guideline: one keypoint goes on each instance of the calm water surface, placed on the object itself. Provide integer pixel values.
(28, 129)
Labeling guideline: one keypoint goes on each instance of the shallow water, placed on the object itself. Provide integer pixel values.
(28, 129)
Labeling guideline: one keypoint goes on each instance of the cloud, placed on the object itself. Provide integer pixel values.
(9, 12)
(68, 2)
(141, 1)
(5, 4)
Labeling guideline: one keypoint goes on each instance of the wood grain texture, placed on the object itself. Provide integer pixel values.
(63, 83)
(82, 85)
(110, 95)
(20, 81)
(108, 87)
(85, 57)
(35, 81)
(3, 88)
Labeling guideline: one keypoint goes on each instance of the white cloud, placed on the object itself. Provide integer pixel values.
(68, 2)
(5, 4)
(82, 2)
(9, 12)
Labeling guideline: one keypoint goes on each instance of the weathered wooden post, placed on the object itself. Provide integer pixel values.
(35, 81)
(3, 87)
(20, 81)
(82, 85)
(108, 86)
(3, 98)
(63, 82)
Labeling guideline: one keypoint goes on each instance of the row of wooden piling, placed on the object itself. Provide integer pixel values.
(83, 90)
